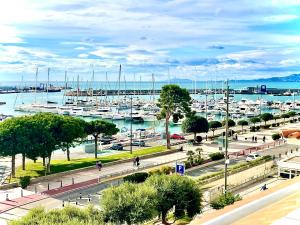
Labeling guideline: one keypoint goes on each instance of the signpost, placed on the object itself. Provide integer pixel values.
(180, 168)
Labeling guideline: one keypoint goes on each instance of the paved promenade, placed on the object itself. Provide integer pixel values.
(264, 207)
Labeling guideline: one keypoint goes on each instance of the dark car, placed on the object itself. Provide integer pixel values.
(117, 147)
(105, 142)
(138, 143)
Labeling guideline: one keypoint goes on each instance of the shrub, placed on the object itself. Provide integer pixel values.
(136, 177)
(299, 119)
(276, 136)
(224, 200)
(273, 124)
(161, 170)
(257, 128)
(266, 126)
(278, 124)
(24, 181)
(291, 121)
(252, 129)
(216, 156)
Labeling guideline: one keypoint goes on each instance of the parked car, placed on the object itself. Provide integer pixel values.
(105, 142)
(177, 136)
(252, 157)
(117, 147)
(138, 143)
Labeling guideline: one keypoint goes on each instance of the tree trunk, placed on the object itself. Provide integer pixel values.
(213, 133)
(68, 153)
(34, 160)
(48, 165)
(96, 146)
(164, 218)
(242, 128)
(195, 137)
(44, 162)
(13, 166)
(167, 131)
(23, 161)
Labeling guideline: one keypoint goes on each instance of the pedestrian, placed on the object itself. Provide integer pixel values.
(100, 165)
(256, 139)
(264, 187)
(134, 162)
(252, 138)
(137, 159)
(264, 139)
(181, 148)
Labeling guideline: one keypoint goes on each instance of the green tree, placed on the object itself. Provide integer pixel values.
(276, 117)
(130, 203)
(276, 136)
(231, 123)
(255, 120)
(195, 124)
(98, 127)
(53, 131)
(285, 116)
(69, 215)
(213, 125)
(292, 113)
(173, 99)
(178, 191)
(266, 117)
(73, 131)
(243, 123)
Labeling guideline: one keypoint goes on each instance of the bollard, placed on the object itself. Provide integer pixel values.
(35, 189)
(63, 203)
(89, 196)
(76, 203)
(80, 195)
(61, 183)
(73, 180)
(7, 199)
(48, 186)
(21, 192)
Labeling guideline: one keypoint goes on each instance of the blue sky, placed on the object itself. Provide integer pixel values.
(201, 40)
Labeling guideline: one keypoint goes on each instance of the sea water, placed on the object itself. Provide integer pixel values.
(16, 99)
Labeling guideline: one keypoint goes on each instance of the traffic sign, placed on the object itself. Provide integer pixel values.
(180, 168)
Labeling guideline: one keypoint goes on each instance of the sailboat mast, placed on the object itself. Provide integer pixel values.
(36, 77)
(119, 81)
(77, 89)
(48, 84)
(153, 87)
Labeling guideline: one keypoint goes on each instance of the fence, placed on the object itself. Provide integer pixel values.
(256, 148)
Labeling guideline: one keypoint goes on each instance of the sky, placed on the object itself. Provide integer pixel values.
(192, 39)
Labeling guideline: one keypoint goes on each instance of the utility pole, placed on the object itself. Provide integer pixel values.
(226, 136)
(131, 124)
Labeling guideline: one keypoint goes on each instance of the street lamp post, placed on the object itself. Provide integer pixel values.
(226, 136)
(130, 124)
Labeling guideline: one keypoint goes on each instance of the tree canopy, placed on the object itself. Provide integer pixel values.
(266, 117)
(98, 127)
(255, 120)
(195, 124)
(231, 123)
(69, 215)
(173, 100)
(130, 203)
(213, 125)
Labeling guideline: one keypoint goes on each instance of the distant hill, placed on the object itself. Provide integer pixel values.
(290, 78)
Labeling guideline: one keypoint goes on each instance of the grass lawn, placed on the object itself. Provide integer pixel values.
(37, 169)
